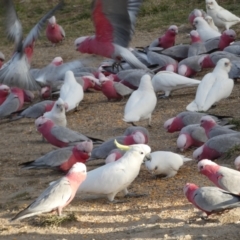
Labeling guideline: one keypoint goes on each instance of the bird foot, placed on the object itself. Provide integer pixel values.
(117, 65)
(136, 195)
(163, 96)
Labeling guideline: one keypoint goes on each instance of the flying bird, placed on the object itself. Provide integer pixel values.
(15, 72)
(114, 23)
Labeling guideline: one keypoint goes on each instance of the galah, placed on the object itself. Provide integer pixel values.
(4, 92)
(215, 147)
(221, 16)
(58, 195)
(115, 177)
(165, 163)
(102, 151)
(167, 40)
(214, 87)
(141, 103)
(204, 30)
(113, 90)
(16, 71)
(60, 136)
(211, 60)
(2, 59)
(186, 118)
(210, 200)
(36, 110)
(111, 39)
(57, 113)
(191, 135)
(14, 102)
(197, 46)
(63, 158)
(220, 43)
(223, 177)
(212, 129)
(195, 13)
(190, 66)
(211, 23)
(88, 82)
(54, 32)
(114, 155)
(130, 78)
(169, 81)
(71, 91)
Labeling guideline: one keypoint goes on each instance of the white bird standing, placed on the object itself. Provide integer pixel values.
(169, 81)
(221, 16)
(115, 177)
(57, 114)
(58, 195)
(165, 163)
(71, 91)
(204, 30)
(214, 87)
(141, 103)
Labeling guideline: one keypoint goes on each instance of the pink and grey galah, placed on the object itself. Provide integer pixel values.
(215, 147)
(186, 118)
(210, 200)
(102, 151)
(14, 102)
(4, 92)
(111, 38)
(63, 158)
(58, 195)
(191, 135)
(60, 136)
(36, 110)
(167, 40)
(223, 177)
(16, 71)
(54, 32)
(133, 129)
(212, 129)
(177, 52)
(113, 90)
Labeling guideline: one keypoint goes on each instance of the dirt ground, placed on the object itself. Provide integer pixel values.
(163, 214)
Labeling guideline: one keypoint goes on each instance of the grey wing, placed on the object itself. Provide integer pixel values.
(220, 130)
(216, 56)
(235, 70)
(160, 59)
(177, 52)
(192, 62)
(212, 44)
(105, 148)
(13, 24)
(213, 199)
(142, 57)
(133, 129)
(223, 143)
(35, 31)
(10, 105)
(35, 110)
(191, 117)
(234, 48)
(196, 49)
(52, 159)
(67, 135)
(62, 31)
(56, 195)
(154, 43)
(199, 134)
(122, 89)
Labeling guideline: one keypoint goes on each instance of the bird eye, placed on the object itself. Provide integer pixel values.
(156, 168)
(141, 152)
(226, 64)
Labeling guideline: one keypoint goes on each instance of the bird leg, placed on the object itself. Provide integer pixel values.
(133, 124)
(149, 122)
(117, 65)
(163, 96)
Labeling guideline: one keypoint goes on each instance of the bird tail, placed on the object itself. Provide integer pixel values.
(185, 159)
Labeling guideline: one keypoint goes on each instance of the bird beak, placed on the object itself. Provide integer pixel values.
(147, 157)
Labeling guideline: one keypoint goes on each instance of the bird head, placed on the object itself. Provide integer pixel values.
(4, 88)
(79, 41)
(85, 147)
(207, 121)
(57, 61)
(211, 4)
(52, 21)
(197, 153)
(224, 63)
(199, 22)
(78, 168)
(60, 105)
(173, 30)
(41, 121)
(183, 142)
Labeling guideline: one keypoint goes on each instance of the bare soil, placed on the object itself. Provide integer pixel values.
(163, 214)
